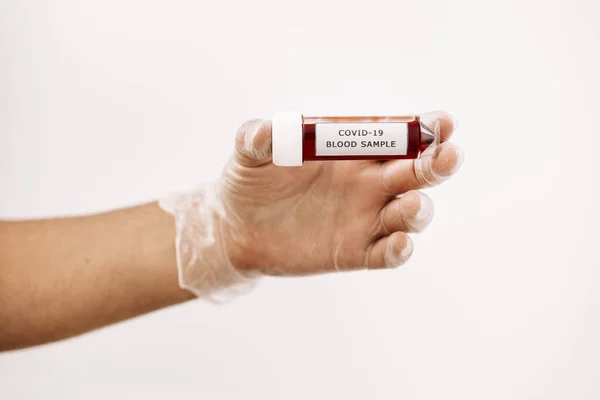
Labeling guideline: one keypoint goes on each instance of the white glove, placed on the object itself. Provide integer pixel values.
(260, 219)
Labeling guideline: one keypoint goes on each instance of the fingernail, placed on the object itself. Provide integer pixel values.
(251, 132)
(426, 209)
(407, 251)
(395, 260)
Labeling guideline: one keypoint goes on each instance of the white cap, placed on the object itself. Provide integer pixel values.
(287, 139)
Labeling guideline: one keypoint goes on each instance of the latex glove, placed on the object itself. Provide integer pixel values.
(260, 219)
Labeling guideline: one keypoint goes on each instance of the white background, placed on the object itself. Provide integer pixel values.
(110, 103)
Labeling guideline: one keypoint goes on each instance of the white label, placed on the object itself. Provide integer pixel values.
(361, 139)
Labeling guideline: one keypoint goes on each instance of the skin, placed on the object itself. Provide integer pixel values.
(344, 215)
(63, 277)
(66, 276)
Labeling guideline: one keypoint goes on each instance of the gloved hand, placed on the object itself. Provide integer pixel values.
(260, 219)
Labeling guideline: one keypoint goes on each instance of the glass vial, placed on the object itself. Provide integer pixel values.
(297, 138)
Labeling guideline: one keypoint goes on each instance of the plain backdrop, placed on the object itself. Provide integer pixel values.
(110, 103)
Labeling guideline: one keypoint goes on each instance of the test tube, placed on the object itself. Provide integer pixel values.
(298, 138)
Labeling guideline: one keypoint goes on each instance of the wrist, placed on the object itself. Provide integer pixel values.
(203, 245)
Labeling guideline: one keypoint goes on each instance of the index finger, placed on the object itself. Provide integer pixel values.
(446, 120)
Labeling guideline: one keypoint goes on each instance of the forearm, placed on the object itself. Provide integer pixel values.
(63, 277)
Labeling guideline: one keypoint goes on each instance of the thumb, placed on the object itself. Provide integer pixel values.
(253, 143)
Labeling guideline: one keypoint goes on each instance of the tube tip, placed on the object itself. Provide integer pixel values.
(427, 137)
(430, 131)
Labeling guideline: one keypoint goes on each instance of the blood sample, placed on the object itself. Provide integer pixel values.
(297, 138)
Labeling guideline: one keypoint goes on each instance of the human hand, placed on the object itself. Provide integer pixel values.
(260, 219)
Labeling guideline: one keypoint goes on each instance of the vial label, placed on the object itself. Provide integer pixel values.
(357, 139)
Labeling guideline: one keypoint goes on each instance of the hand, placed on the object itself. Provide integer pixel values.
(321, 217)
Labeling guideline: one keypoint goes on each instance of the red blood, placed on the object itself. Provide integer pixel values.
(414, 147)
